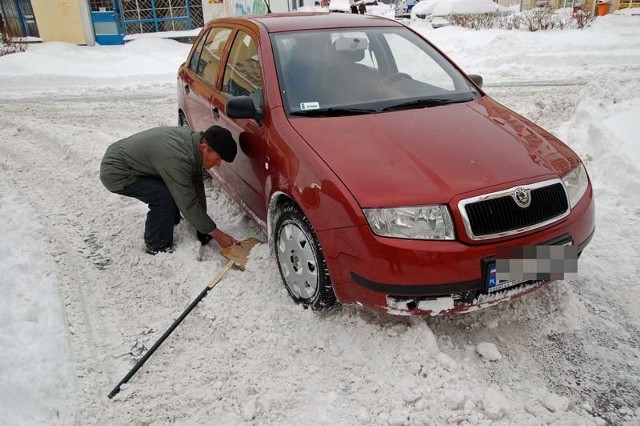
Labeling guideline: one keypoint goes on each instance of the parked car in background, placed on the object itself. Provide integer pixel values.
(423, 9)
(382, 174)
(403, 8)
(410, 4)
(341, 6)
(373, 7)
(439, 21)
(380, 8)
(467, 7)
(437, 11)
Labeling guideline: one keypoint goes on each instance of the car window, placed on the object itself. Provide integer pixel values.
(242, 73)
(417, 63)
(195, 59)
(352, 41)
(209, 63)
(364, 70)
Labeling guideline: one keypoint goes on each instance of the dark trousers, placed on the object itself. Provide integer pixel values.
(163, 211)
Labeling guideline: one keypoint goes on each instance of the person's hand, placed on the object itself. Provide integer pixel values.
(204, 238)
(224, 240)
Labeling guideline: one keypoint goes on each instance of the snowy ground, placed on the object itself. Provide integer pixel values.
(81, 300)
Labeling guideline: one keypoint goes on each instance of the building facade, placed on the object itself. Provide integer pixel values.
(110, 21)
(18, 18)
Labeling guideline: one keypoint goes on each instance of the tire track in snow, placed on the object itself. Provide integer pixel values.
(54, 160)
(68, 236)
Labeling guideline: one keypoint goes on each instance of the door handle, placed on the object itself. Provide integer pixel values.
(266, 162)
(186, 89)
(215, 112)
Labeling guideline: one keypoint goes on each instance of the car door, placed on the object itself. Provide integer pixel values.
(243, 77)
(202, 78)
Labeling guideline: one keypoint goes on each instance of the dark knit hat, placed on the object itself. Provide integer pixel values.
(220, 140)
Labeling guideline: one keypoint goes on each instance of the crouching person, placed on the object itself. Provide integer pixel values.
(162, 167)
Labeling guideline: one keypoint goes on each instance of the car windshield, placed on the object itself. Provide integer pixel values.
(363, 71)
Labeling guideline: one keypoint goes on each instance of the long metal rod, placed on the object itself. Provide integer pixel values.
(167, 333)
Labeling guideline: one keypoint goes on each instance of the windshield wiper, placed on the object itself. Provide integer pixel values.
(425, 103)
(333, 112)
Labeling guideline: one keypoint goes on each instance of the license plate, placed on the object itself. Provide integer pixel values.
(494, 285)
(519, 264)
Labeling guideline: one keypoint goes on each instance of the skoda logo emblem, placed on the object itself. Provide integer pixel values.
(522, 197)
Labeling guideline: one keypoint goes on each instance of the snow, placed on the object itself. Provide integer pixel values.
(454, 7)
(555, 403)
(424, 7)
(620, 121)
(459, 7)
(165, 34)
(35, 362)
(633, 11)
(344, 6)
(82, 301)
(488, 351)
(63, 68)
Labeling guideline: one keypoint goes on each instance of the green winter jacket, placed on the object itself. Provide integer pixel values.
(170, 153)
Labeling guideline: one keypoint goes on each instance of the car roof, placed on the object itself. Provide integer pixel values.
(277, 22)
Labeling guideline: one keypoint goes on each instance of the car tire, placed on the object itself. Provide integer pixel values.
(301, 261)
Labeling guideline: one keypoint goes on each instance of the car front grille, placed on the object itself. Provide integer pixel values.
(497, 214)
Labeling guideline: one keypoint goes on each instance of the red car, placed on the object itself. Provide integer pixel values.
(382, 174)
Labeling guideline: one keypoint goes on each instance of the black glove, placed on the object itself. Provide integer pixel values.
(204, 238)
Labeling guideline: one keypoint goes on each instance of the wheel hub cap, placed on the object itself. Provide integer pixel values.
(298, 261)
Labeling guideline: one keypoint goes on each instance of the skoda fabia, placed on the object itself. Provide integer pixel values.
(383, 175)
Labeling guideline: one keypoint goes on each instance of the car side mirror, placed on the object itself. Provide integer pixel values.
(477, 79)
(242, 107)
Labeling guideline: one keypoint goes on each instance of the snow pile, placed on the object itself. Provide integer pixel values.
(461, 7)
(605, 127)
(607, 51)
(37, 384)
(488, 351)
(67, 68)
(423, 8)
(630, 11)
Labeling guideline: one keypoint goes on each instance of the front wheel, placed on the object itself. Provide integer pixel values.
(301, 261)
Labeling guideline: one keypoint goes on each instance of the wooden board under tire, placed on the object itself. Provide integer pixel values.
(238, 252)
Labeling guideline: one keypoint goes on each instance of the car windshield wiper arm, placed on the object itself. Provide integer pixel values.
(425, 103)
(333, 112)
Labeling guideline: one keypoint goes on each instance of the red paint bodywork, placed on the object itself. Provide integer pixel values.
(334, 167)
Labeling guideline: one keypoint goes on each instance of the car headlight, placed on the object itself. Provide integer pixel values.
(418, 223)
(576, 183)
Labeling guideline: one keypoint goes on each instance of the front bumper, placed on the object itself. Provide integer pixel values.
(433, 277)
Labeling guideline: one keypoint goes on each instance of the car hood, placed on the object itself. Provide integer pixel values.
(430, 155)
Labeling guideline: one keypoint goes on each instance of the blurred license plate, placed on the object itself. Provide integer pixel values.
(495, 285)
(520, 264)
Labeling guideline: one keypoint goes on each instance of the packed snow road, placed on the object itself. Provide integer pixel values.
(569, 353)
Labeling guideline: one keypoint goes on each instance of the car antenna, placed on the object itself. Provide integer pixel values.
(266, 2)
